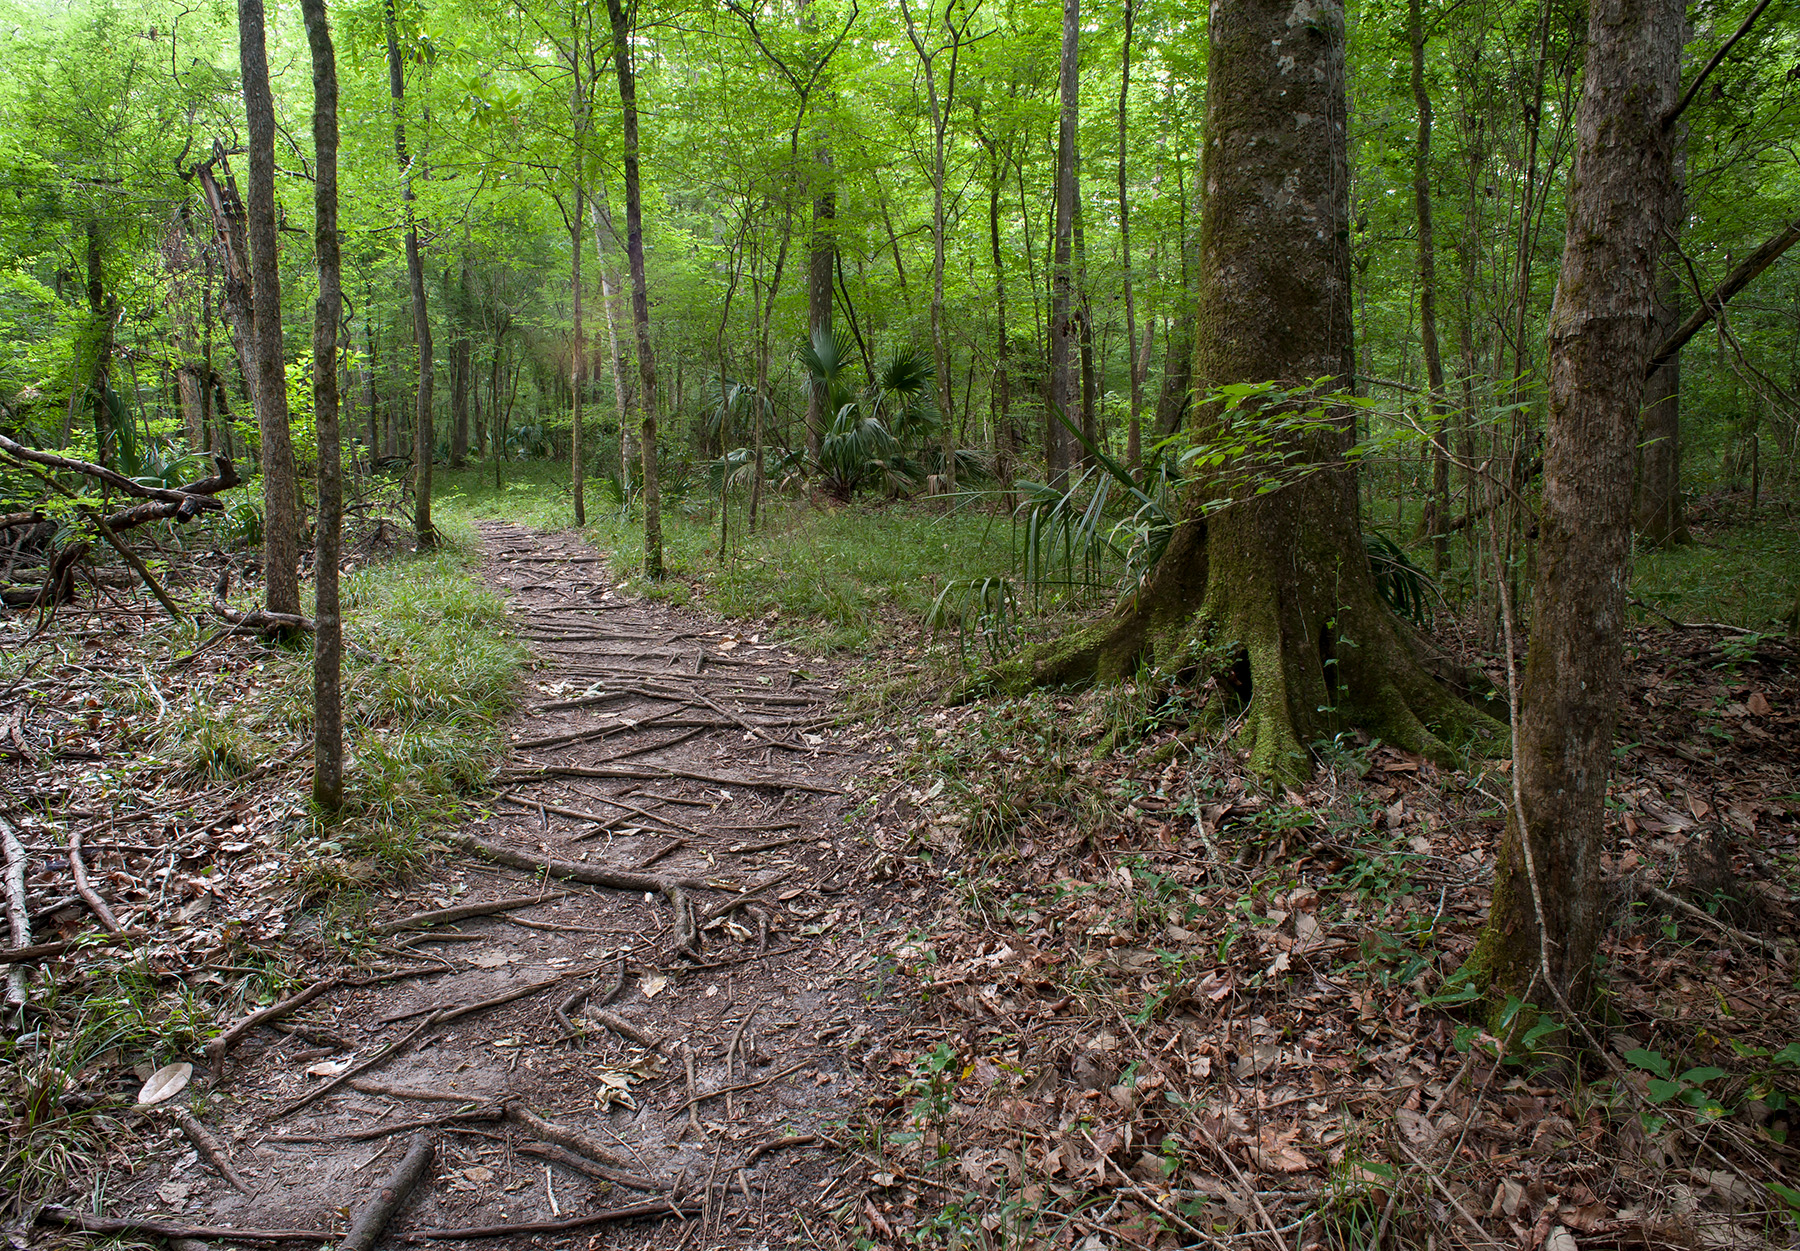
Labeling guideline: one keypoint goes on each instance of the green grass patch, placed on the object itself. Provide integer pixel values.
(827, 577)
(1744, 575)
(429, 671)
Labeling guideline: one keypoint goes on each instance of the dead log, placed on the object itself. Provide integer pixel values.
(111, 477)
(18, 916)
(366, 1229)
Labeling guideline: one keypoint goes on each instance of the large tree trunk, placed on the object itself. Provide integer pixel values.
(640, 300)
(1278, 582)
(328, 712)
(1602, 333)
(1004, 446)
(424, 418)
(1062, 314)
(281, 523)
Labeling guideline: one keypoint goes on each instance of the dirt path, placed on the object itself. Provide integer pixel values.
(679, 759)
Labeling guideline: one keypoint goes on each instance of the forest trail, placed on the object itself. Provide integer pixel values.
(679, 759)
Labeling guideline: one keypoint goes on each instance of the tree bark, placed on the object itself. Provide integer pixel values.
(1276, 583)
(577, 359)
(281, 528)
(640, 300)
(424, 418)
(328, 712)
(601, 220)
(818, 289)
(1062, 316)
(1601, 337)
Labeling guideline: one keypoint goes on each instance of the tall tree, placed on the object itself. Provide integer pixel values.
(940, 104)
(424, 417)
(1544, 928)
(1134, 435)
(1271, 572)
(1437, 512)
(268, 387)
(328, 704)
(640, 299)
(1660, 518)
(1062, 304)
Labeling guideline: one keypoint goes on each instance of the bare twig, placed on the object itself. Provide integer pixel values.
(209, 1147)
(51, 1214)
(89, 896)
(220, 1047)
(632, 1212)
(463, 912)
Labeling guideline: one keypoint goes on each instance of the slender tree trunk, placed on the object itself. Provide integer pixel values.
(1133, 436)
(328, 714)
(461, 365)
(424, 418)
(1437, 509)
(601, 220)
(1548, 910)
(1062, 314)
(281, 527)
(577, 362)
(1084, 315)
(640, 300)
(1004, 447)
(1661, 521)
(818, 290)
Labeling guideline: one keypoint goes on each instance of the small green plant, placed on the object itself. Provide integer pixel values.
(1689, 1087)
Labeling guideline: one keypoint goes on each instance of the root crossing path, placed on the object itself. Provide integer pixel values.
(657, 973)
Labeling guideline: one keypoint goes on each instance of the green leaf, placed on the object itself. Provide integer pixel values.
(1650, 1061)
(1662, 1092)
(1787, 1194)
(1700, 1077)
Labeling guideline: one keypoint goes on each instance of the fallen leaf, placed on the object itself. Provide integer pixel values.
(1758, 704)
(652, 986)
(167, 1082)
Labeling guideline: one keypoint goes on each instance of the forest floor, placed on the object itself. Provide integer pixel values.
(851, 968)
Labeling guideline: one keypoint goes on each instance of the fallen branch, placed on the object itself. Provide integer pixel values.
(659, 1207)
(620, 1026)
(29, 955)
(562, 1136)
(220, 1047)
(209, 1148)
(414, 1093)
(464, 911)
(569, 1160)
(95, 904)
(51, 1214)
(140, 568)
(451, 1012)
(576, 814)
(659, 774)
(491, 1112)
(111, 477)
(726, 907)
(18, 915)
(1701, 914)
(593, 875)
(714, 1094)
(791, 1140)
(366, 1229)
(343, 1079)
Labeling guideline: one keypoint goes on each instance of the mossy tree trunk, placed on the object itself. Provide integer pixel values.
(1601, 336)
(1279, 582)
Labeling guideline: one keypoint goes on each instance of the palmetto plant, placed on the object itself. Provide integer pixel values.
(870, 433)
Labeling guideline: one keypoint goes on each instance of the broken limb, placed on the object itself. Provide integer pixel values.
(366, 1229)
(220, 1047)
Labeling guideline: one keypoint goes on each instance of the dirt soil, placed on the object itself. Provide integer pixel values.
(699, 1063)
